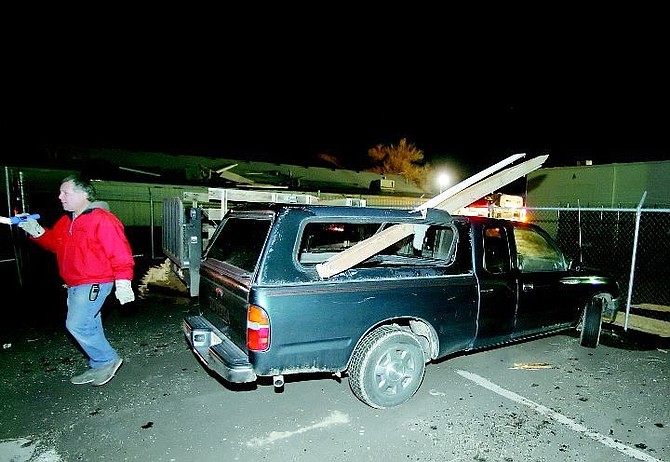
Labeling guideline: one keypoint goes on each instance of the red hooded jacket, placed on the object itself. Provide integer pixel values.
(91, 248)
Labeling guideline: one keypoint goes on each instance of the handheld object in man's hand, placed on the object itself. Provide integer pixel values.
(16, 219)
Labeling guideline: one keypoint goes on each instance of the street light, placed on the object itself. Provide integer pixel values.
(443, 180)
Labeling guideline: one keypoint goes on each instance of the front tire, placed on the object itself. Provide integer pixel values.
(387, 367)
(592, 323)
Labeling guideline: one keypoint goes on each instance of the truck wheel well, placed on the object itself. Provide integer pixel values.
(424, 332)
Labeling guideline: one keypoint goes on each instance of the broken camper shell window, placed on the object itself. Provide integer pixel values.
(321, 241)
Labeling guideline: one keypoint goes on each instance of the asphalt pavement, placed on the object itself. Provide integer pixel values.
(547, 399)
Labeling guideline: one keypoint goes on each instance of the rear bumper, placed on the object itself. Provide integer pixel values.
(216, 351)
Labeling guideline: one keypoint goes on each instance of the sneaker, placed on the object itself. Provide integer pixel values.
(87, 377)
(106, 373)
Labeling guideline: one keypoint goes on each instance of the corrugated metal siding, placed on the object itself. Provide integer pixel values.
(140, 204)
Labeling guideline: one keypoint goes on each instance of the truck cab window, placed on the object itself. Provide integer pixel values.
(496, 250)
(536, 253)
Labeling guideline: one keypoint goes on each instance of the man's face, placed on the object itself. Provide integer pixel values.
(73, 199)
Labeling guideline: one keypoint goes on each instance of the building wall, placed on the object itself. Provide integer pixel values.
(610, 185)
(296, 177)
(137, 204)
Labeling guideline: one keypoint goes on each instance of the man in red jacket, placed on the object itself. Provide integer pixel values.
(93, 257)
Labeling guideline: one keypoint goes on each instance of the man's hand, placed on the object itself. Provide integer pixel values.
(124, 291)
(32, 227)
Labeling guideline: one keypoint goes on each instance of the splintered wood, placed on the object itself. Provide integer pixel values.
(163, 277)
(450, 200)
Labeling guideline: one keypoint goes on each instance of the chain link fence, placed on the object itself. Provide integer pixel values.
(630, 244)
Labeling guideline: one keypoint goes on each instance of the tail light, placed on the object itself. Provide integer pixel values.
(258, 329)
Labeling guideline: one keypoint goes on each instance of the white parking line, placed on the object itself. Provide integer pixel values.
(27, 449)
(335, 418)
(545, 411)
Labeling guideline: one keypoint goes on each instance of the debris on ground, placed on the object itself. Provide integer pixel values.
(532, 366)
(161, 277)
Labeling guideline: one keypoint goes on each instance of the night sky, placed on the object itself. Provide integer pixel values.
(294, 127)
(469, 108)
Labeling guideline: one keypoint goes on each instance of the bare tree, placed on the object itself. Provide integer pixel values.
(403, 159)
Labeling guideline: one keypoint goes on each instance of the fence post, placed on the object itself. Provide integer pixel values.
(638, 214)
(151, 224)
(579, 230)
(18, 260)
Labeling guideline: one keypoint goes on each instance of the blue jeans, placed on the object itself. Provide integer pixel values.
(84, 322)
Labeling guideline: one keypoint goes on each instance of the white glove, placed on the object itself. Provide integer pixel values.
(124, 291)
(32, 227)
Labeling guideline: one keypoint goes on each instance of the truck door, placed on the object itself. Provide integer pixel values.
(542, 303)
(497, 286)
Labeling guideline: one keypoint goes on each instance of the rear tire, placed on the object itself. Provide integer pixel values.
(387, 367)
(592, 323)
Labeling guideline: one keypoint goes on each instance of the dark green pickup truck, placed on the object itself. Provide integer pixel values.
(376, 294)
